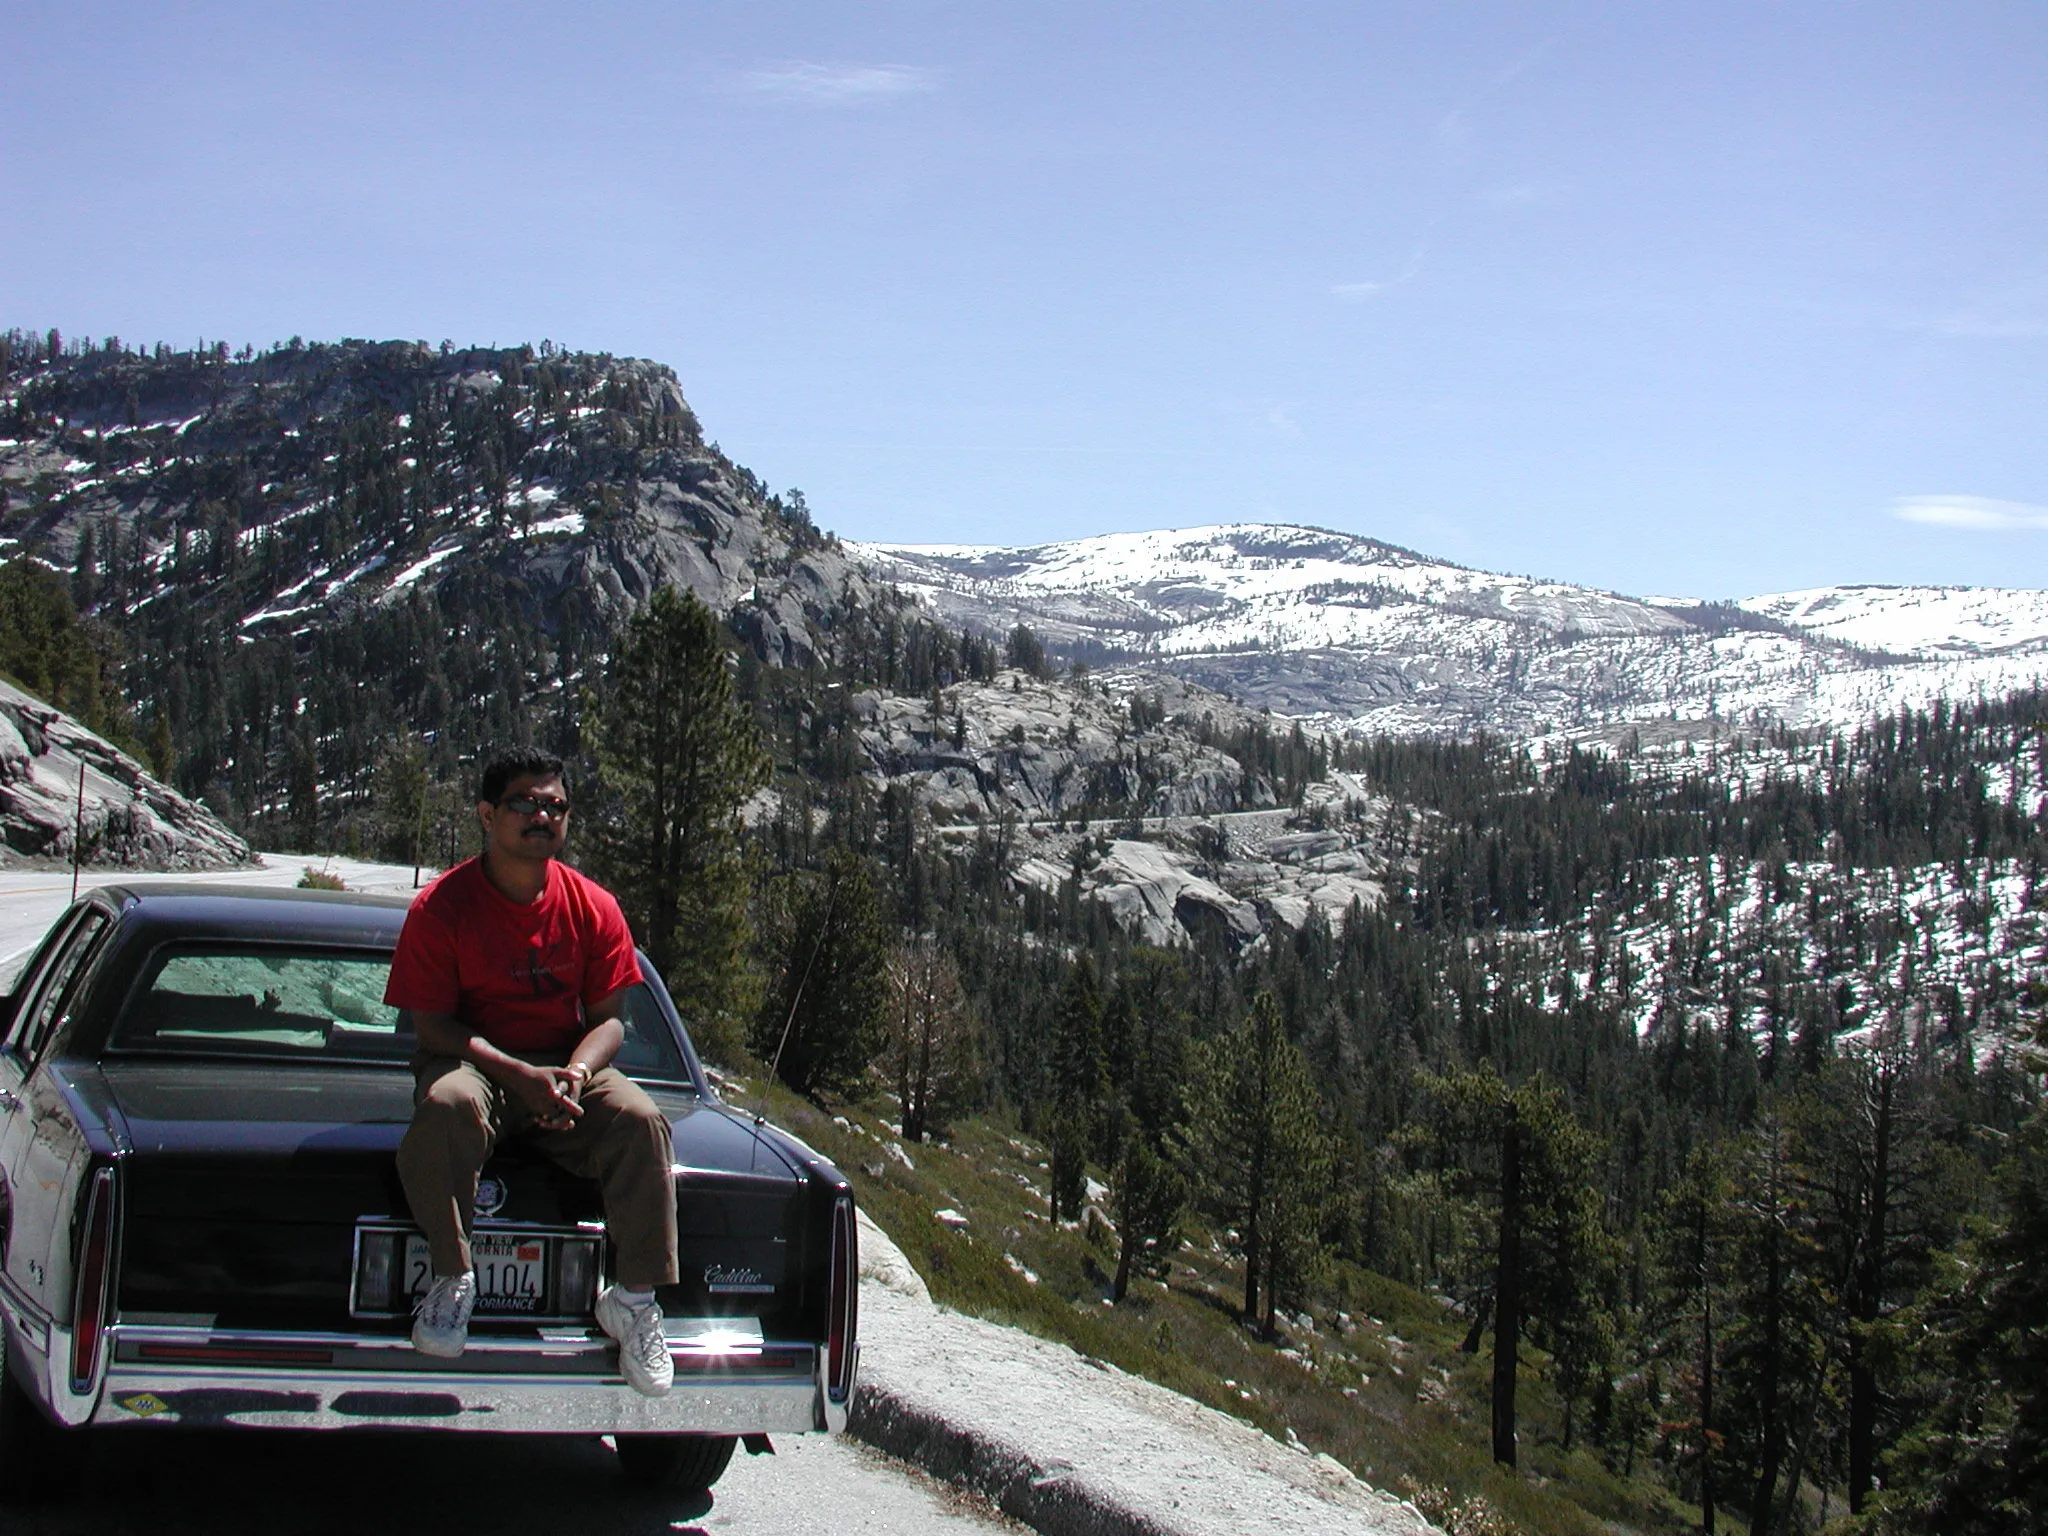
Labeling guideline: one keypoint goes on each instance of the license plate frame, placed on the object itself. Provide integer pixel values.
(557, 1282)
(513, 1273)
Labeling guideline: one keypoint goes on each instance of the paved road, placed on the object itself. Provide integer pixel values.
(32, 899)
(266, 1483)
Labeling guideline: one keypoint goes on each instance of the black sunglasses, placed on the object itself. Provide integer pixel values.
(535, 805)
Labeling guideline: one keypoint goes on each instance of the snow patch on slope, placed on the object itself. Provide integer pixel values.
(1368, 637)
(1242, 584)
(1915, 621)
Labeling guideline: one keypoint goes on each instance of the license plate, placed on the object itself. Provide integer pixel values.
(511, 1273)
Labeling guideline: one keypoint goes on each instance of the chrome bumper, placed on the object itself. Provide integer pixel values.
(565, 1385)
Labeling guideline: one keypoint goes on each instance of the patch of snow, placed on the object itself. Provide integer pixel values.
(412, 573)
(1915, 621)
(567, 522)
(374, 563)
(265, 615)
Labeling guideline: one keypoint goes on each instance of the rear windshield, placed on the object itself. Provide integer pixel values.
(298, 1004)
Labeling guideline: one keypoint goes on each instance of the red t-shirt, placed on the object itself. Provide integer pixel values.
(517, 975)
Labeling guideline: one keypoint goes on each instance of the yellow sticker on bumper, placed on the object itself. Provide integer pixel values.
(143, 1403)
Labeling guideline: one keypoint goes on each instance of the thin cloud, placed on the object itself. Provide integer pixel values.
(1977, 514)
(1358, 293)
(839, 85)
(1454, 129)
(1280, 421)
(1526, 194)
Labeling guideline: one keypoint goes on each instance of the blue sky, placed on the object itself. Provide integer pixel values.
(1710, 299)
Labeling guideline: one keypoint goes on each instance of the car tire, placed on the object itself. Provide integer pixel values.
(676, 1463)
(37, 1459)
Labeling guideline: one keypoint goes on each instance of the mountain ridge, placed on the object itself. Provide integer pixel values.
(1372, 637)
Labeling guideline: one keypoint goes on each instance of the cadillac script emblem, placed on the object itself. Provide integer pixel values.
(735, 1280)
(490, 1196)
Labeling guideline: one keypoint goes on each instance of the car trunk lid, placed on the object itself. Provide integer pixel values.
(245, 1184)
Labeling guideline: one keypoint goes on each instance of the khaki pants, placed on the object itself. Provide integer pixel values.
(621, 1141)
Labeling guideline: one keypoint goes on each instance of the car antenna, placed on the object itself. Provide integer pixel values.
(824, 925)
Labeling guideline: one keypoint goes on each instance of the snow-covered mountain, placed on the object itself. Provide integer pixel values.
(1242, 586)
(1916, 621)
(1377, 638)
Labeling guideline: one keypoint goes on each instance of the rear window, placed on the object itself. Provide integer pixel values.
(277, 1001)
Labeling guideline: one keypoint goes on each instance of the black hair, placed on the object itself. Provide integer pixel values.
(524, 763)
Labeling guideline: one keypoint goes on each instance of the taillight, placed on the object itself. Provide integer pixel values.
(93, 1283)
(845, 1303)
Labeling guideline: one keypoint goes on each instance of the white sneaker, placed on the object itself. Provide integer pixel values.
(440, 1318)
(643, 1347)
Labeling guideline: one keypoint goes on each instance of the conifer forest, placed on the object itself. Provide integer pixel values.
(1698, 1082)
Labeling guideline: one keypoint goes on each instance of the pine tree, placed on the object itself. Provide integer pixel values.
(1148, 1199)
(1077, 1088)
(402, 801)
(1883, 1200)
(304, 805)
(676, 759)
(822, 1027)
(1695, 1269)
(1522, 1147)
(1977, 1463)
(48, 650)
(1026, 652)
(1262, 1148)
(933, 1053)
(1145, 1041)
(163, 751)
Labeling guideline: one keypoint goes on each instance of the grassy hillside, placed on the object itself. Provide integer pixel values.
(1371, 1373)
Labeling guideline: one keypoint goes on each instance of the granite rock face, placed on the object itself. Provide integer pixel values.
(1171, 833)
(126, 819)
(582, 511)
(1030, 749)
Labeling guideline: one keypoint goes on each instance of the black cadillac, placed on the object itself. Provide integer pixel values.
(201, 1095)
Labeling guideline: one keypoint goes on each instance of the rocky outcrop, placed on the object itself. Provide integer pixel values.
(126, 818)
(1114, 784)
(596, 487)
(1227, 877)
(1022, 747)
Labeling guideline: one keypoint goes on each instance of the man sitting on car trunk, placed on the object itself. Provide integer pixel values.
(515, 969)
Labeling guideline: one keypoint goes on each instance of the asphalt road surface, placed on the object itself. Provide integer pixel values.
(32, 899)
(174, 1482)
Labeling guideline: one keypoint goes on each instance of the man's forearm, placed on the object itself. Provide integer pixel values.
(603, 1034)
(442, 1034)
(600, 1043)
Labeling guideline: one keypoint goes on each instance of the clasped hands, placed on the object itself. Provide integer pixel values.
(551, 1095)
